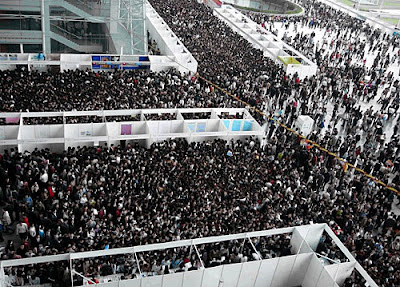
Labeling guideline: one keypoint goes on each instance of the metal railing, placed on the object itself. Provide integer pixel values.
(92, 7)
(92, 39)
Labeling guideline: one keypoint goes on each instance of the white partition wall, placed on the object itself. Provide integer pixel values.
(339, 272)
(298, 269)
(283, 54)
(9, 136)
(144, 130)
(168, 43)
(313, 235)
(175, 58)
(41, 136)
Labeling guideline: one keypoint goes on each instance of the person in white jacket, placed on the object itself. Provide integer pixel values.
(6, 218)
(21, 229)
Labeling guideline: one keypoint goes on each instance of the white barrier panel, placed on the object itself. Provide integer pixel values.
(75, 61)
(64, 62)
(260, 38)
(344, 271)
(162, 63)
(193, 278)
(231, 273)
(340, 271)
(109, 284)
(288, 271)
(317, 275)
(249, 274)
(296, 241)
(145, 130)
(173, 280)
(266, 273)
(305, 248)
(313, 236)
(299, 269)
(168, 43)
(313, 272)
(282, 271)
(211, 277)
(326, 280)
(130, 283)
(9, 132)
(154, 281)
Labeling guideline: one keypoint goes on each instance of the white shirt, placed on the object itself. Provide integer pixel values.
(44, 177)
(21, 228)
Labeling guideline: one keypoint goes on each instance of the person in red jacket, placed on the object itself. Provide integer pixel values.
(26, 220)
(51, 193)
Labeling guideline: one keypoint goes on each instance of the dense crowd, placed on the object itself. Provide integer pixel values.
(88, 90)
(95, 197)
(90, 198)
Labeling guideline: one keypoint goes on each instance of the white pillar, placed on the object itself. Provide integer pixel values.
(45, 15)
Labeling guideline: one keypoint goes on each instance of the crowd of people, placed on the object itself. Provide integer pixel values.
(90, 198)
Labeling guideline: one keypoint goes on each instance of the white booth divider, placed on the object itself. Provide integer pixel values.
(173, 280)
(75, 61)
(129, 283)
(145, 131)
(168, 43)
(9, 132)
(175, 58)
(296, 241)
(264, 40)
(266, 273)
(298, 269)
(231, 274)
(154, 281)
(313, 274)
(313, 236)
(193, 278)
(211, 276)
(9, 61)
(339, 272)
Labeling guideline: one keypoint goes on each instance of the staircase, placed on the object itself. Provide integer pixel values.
(91, 8)
(79, 11)
(83, 9)
(73, 41)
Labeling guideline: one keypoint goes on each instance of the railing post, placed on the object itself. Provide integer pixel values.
(2, 276)
(255, 250)
(137, 262)
(84, 277)
(198, 254)
(70, 270)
